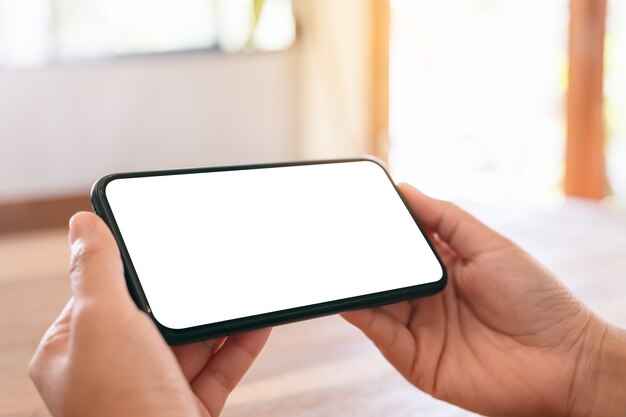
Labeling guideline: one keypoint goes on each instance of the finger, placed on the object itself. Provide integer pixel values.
(194, 356)
(226, 368)
(95, 265)
(390, 336)
(447, 255)
(376, 323)
(465, 234)
(53, 343)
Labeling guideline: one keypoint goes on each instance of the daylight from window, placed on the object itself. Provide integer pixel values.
(615, 96)
(477, 98)
(36, 32)
(111, 27)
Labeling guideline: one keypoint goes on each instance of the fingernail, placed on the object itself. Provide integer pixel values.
(81, 224)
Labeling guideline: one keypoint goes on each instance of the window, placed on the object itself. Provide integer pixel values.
(477, 98)
(36, 32)
(615, 98)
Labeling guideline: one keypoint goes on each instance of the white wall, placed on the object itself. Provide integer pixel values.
(63, 127)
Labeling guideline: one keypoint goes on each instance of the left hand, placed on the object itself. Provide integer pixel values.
(505, 337)
(104, 357)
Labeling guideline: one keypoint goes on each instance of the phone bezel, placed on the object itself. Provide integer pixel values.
(176, 336)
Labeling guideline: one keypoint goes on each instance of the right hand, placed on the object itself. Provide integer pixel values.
(504, 338)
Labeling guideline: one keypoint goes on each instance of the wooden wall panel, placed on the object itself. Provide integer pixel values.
(40, 214)
(584, 161)
(380, 78)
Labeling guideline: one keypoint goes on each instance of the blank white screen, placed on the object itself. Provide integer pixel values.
(209, 247)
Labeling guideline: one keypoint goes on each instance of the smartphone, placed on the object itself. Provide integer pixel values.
(213, 251)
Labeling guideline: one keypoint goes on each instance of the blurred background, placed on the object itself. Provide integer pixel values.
(476, 100)
(516, 109)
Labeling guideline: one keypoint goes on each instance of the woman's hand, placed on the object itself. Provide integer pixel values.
(504, 338)
(105, 357)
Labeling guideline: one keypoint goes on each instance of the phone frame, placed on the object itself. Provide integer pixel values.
(224, 328)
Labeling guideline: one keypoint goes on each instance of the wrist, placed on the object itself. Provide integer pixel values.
(602, 387)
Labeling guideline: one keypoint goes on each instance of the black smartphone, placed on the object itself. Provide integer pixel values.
(213, 251)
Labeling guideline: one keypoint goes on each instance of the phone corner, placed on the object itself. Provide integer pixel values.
(373, 158)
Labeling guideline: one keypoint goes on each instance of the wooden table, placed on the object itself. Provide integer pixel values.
(321, 367)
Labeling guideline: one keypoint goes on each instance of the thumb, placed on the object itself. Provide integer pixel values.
(96, 267)
(465, 234)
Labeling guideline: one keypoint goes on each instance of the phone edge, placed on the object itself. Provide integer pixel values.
(225, 328)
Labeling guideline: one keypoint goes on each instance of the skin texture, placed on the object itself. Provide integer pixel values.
(104, 357)
(505, 338)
